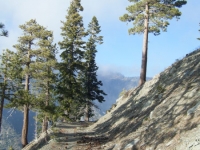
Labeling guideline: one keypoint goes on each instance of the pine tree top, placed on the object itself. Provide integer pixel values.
(159, 11)
(93, 30)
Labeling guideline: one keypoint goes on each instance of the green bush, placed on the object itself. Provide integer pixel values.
(10, 148)
(160, 89)
(122, 92)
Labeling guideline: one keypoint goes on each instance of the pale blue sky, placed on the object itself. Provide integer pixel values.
(120, 52)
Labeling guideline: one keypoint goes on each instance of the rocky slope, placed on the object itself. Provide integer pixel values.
(113, 84)
(162, 114)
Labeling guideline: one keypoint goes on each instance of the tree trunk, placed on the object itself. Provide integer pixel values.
(2, 102)
(86, 117)
(1, 110)
(45, 119)
(26, 108)
(44, 124)
(25, 126)
(145, 48)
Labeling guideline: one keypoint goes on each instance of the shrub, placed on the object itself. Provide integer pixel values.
(122, 92)
(160, 89)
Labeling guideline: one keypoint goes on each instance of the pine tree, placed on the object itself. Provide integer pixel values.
(8, 79)
(3, 31)
(150, 16)
(91, 85)
(44, 76)
(72, 47)
(27, 48)
(3, 84)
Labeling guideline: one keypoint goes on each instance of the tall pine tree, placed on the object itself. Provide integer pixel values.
(9, 77)
(28, 48)
(150, 16)
(72, 47)
(45, 76)
(91, 85)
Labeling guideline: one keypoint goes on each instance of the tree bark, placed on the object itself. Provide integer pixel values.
(86, 117)
(1, 111)
(145, 48)
(26, 107)
(45, 119)
(2, 102)
(44, 124)
(25, 126)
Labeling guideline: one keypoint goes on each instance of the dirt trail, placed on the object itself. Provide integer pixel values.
(73, 136)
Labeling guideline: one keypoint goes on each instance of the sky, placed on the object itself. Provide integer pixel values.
(120, 51)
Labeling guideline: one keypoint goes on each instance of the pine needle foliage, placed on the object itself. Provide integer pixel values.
(9, 81)
(45, 77)
(159, 12)
(3, 31)
(90, 84)
(72, 47)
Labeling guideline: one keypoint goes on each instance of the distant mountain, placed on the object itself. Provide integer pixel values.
(113, 84)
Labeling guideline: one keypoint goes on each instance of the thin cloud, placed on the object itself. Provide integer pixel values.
(129, 71)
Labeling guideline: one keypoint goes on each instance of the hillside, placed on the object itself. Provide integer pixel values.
(163, 114)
